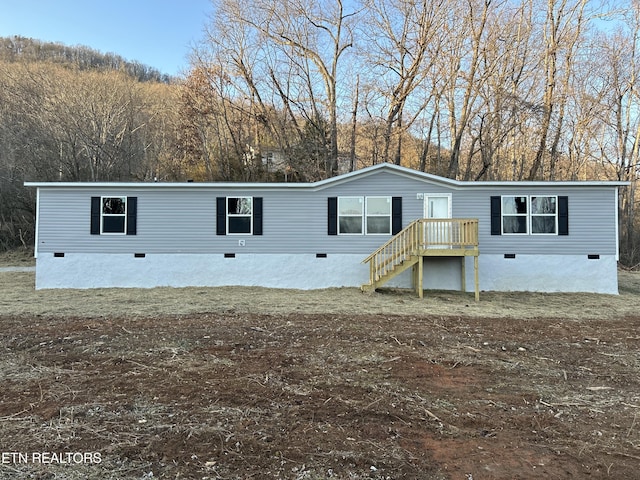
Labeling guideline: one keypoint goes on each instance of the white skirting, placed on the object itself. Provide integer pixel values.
(548, 273)
(302, 271)
(551, 273)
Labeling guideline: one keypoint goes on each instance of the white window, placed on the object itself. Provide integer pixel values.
(350, 215)
(113, 215)
(535, 215)
(378, 215)
(515, 213)
(240, 215)
(544, 215)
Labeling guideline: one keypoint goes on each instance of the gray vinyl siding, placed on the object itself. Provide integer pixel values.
(182, 219)
(592, 221)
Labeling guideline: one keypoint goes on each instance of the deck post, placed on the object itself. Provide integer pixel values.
(464, 273)
(475, 273)
(372, 272)
(418, 277)
(414, 277)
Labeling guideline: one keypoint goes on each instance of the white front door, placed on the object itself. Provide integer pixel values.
(438, 205)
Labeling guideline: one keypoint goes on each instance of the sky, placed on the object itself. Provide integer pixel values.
(156, 33)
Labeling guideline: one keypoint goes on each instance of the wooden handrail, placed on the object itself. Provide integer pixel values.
(418, 236)
(392, 240)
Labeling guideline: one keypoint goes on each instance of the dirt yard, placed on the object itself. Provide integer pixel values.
(381, 386)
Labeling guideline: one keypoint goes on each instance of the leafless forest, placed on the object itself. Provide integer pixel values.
(298, 90)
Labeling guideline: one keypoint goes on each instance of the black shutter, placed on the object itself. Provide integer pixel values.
(221, 215)
(563, 215)
(257, 215)
(332, 216)
(496, 214)
(132, 214)
(396, 215)
(95, 215)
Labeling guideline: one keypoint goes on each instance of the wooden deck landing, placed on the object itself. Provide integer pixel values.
(451, 237)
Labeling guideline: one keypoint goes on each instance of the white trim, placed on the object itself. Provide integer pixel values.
(37, 232)
(525, 215)
(362, 216)
(389, 200)
(365, 214)
(227, 215)
(125, 215)
(617, 225)
(531, 215)
(528, 216)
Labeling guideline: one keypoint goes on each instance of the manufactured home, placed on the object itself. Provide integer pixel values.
(382, 225)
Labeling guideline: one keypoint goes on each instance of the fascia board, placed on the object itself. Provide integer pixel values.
(322, 184)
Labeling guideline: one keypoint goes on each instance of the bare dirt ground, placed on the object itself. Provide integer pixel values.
(252, 383)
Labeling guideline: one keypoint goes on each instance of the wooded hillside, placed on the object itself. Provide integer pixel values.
(304, 89)
(22, 49)
(73, 114)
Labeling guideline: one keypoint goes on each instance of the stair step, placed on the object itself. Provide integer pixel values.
(393, 271)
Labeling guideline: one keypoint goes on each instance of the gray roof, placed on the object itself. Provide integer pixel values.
(404, 171)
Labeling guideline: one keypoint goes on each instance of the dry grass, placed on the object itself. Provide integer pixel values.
(20, 257)
(18, 297)
(239, 395)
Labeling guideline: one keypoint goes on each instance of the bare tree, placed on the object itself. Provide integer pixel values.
(466, 28)
(296, 46)
(618, 138)
(406, 35)
(503, 96)
(87, 123)
(562, 32)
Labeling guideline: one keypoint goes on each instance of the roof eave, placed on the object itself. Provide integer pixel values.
(455, 184)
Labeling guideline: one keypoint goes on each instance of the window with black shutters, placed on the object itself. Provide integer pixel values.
(239, 216)
(114, 215)
(529, 215)
(375, 215)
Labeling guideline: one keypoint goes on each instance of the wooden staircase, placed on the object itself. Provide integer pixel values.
(425, 237)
